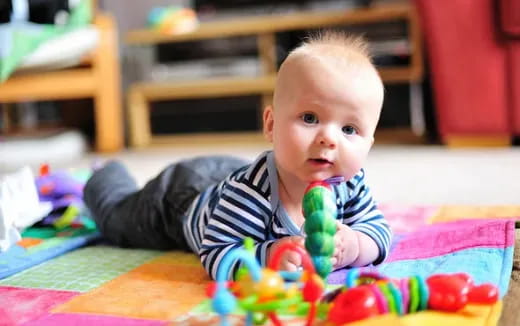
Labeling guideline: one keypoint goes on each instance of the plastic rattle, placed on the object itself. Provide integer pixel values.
(263, 292)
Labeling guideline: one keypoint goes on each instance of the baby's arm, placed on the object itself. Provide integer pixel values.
(211, 255)
(241, 211)
(364, 235)
(353, 248)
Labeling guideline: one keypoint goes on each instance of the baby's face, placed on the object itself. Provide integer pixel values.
(324, 119)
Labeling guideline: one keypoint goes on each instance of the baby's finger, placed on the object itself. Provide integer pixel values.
(336, 252)
(288, 266)
(298, 240)
(294, 258)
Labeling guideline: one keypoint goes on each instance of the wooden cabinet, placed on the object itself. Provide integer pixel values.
(264, 28)
(97, 77)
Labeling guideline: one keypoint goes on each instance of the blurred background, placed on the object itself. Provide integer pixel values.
(151, 82)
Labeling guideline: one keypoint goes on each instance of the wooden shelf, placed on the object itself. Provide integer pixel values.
(97, 76)
(251, 138)
(476, 140)
(273, 23)
(264, 28)
(232, 86)
(236, 86)
(400, 74)
(73, 83)
(42, 130)
(398, 135)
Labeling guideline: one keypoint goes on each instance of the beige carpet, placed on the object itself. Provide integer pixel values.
(398, 174)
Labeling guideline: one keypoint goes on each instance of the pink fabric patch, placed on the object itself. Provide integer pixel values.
(444, 238)
(18, 305)
(407, 218)
(89, 320)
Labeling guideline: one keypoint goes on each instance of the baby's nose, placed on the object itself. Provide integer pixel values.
(328, 143)
(327, 139)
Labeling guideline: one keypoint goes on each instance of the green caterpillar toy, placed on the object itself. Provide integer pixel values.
(319, 210)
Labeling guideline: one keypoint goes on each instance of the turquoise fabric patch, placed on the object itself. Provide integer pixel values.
(18, 258)
(485, 265)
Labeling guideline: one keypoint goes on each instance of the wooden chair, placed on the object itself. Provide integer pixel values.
(99, 79)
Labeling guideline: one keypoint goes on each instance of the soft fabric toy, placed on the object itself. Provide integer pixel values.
(20, 206)
(60, 188)
(172, 20)
(37, 11)
(65, 193)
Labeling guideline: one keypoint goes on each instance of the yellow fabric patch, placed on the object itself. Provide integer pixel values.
(448, 213)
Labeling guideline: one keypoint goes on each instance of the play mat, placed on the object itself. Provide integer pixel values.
(87, 282)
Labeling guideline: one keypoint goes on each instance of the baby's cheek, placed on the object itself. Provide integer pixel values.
(352, 163)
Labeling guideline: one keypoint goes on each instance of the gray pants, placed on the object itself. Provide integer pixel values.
(151, 217)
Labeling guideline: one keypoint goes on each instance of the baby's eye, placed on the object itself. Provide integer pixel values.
(309, 118)
(349, 130)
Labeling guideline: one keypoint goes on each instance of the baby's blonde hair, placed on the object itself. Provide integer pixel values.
(350, 49)
(346, 51)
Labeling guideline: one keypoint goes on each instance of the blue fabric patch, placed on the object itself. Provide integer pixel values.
(18, 258)
(485, 265)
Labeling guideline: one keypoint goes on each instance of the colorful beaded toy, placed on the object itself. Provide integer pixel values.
(368, 293)
(263, 293)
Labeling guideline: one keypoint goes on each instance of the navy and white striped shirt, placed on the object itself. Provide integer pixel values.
(247, 204)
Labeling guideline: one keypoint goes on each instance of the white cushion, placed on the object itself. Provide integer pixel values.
(64, 51)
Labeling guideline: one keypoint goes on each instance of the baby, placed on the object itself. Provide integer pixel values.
(326, 106)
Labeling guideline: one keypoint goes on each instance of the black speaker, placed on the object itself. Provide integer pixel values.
(46, 11)
(5, 11)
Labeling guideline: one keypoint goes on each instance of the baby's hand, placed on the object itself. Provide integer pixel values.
(347, 246)
(291, 260)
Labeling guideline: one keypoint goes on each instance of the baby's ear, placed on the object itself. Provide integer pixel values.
(268, 119)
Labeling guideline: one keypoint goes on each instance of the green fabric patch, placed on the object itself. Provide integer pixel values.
(49, 232)
(39, 233)
(82, 270)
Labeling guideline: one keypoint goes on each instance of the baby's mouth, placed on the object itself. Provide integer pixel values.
(320, 161)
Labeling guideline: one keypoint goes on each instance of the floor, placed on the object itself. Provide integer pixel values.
(399, 174)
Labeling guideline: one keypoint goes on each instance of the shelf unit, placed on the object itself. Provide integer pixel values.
(97, 76)
(140, 94)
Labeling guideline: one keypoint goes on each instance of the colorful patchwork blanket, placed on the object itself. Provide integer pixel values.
(102, 285)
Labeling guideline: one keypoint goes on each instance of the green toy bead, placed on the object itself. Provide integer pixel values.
(320, 244)
(319, 198)
(323, 265)
(415, 295)
(320, 221)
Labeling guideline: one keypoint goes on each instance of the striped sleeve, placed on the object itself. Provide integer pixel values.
(241, 211)
(360, 212)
